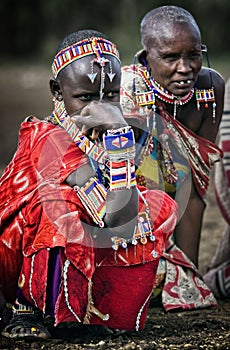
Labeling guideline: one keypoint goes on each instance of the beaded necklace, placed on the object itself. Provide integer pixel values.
(164, 95)
(98, 154)
(156, 90)
(60, 116)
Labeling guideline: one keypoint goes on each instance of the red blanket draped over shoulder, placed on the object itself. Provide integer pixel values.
(44, 158)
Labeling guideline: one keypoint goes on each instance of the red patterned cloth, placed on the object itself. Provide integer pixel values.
(39, 211)
(45, 157)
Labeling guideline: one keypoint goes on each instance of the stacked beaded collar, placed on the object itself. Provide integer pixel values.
(157, 90)
(144, 98)
(61, 117)
(86, 47)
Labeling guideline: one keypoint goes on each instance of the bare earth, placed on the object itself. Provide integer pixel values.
(24, 92)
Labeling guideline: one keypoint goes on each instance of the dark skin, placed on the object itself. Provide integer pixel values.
(174, 59)
(93, 117)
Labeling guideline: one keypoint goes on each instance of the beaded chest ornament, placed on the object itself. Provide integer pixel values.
(118, 152)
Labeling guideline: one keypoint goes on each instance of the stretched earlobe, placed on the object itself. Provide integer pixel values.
(204, 48)
(141, 56)
(55, 89)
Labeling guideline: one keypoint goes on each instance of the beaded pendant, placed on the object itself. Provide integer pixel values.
(206, 96)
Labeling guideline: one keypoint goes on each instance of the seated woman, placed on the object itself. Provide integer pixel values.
(80, 241)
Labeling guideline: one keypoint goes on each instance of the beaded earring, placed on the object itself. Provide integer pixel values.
(206, 95)
(144, 99)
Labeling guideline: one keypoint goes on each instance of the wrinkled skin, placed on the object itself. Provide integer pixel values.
(175, 58)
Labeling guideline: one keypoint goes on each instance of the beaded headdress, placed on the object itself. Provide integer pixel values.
(86, 47)
(93, 46)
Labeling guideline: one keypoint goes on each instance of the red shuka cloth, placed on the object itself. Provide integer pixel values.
(38, 211)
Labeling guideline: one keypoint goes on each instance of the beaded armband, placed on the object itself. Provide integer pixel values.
(120, 147)
(93, 197)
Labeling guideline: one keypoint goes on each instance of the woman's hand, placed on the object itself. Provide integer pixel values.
(97, 117)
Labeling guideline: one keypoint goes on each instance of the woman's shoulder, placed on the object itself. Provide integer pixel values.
(209, 77)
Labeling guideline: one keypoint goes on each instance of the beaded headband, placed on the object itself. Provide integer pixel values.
(86, 47)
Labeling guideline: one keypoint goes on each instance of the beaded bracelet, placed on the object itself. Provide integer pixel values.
(120, 147)
(93, 197)
(143, 230)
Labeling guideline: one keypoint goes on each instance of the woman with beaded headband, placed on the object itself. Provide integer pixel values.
(82, 240)
(176, 106)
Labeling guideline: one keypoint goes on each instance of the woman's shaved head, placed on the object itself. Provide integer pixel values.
(161, 19)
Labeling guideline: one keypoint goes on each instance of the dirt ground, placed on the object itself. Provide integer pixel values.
(23, 91)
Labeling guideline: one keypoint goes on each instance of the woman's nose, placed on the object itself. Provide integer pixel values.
(184, 65)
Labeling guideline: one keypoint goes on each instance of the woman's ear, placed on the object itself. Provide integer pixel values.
(55, 89)
(141, 56)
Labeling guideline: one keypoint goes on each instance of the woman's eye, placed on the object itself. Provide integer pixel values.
(195, 55)
(171, 57)
(112, 94)
(176, 57)
(84, 97)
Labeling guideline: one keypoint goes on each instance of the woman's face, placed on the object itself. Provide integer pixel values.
(78, 90)
(174, 58)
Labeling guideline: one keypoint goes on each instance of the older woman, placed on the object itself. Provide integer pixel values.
(175, 106)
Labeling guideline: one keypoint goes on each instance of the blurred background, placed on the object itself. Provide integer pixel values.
(30, 32)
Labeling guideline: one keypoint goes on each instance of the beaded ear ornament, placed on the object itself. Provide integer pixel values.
(206, 95)
(156, 90)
